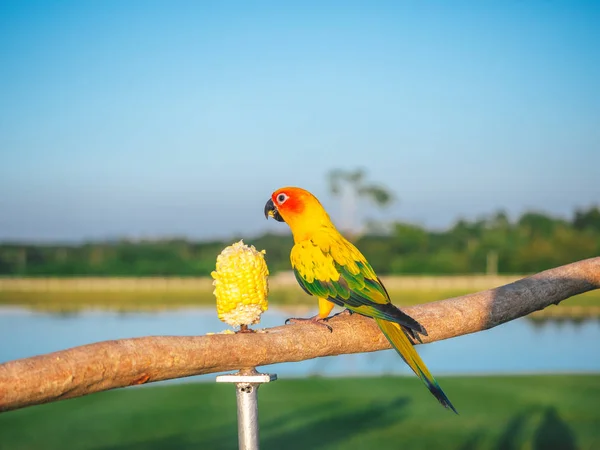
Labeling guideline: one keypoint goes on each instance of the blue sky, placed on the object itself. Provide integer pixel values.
(141, 118)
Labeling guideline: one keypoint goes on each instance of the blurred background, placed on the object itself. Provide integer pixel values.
(456, 143)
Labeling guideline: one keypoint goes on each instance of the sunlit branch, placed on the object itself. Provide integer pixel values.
(113, 364)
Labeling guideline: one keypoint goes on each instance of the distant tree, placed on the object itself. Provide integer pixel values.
(492, 243)
(587, 220)
(535, 224)
(351, 186)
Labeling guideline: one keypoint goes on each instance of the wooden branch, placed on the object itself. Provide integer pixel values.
(113, 364)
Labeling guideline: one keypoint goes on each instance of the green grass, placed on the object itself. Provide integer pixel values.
(119, 300)
(584, 305)
(128, 300)
(512, 412)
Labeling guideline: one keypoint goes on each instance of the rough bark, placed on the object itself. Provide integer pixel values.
(113, 364)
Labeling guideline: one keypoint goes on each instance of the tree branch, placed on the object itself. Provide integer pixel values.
(113, 364)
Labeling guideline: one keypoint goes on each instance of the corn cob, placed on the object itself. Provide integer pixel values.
(241, 285)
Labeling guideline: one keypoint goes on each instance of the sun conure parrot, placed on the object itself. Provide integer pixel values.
(332, 269)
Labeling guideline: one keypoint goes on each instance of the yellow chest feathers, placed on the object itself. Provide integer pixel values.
(317, 257)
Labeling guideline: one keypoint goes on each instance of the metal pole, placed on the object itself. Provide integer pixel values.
(247, 383)
(247, 414)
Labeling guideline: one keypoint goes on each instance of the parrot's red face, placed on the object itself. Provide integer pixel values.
(286, 203)
(299, 209)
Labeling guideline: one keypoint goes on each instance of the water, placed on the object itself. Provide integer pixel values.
(520, 346)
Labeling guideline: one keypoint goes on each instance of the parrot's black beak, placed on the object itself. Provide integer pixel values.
(271, 211)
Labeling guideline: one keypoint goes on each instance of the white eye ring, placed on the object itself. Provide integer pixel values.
(281, 198)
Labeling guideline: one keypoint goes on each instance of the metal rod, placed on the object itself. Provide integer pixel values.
(246, 384)
(247, 414)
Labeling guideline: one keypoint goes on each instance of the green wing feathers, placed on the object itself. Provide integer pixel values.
(330, 267)
(405, 349)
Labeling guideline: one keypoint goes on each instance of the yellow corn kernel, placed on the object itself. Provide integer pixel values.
(241, 285)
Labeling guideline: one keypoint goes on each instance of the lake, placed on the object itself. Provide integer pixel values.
(521, 346)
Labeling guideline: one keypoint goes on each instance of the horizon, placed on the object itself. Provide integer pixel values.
(284, 231)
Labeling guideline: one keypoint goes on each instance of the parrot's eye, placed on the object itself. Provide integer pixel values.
(281, 198)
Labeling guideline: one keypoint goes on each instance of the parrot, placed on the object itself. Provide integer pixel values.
(331, 268)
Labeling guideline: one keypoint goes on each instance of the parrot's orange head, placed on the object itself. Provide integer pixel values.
(298, 208)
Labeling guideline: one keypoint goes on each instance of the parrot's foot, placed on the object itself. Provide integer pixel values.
(315, 319)
(245, 329)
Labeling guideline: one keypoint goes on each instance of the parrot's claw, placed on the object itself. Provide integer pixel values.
(346, 312)
(315, 319)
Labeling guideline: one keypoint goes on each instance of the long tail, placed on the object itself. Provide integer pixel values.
(406, 350)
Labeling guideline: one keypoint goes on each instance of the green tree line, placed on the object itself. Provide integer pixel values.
(533, 242)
